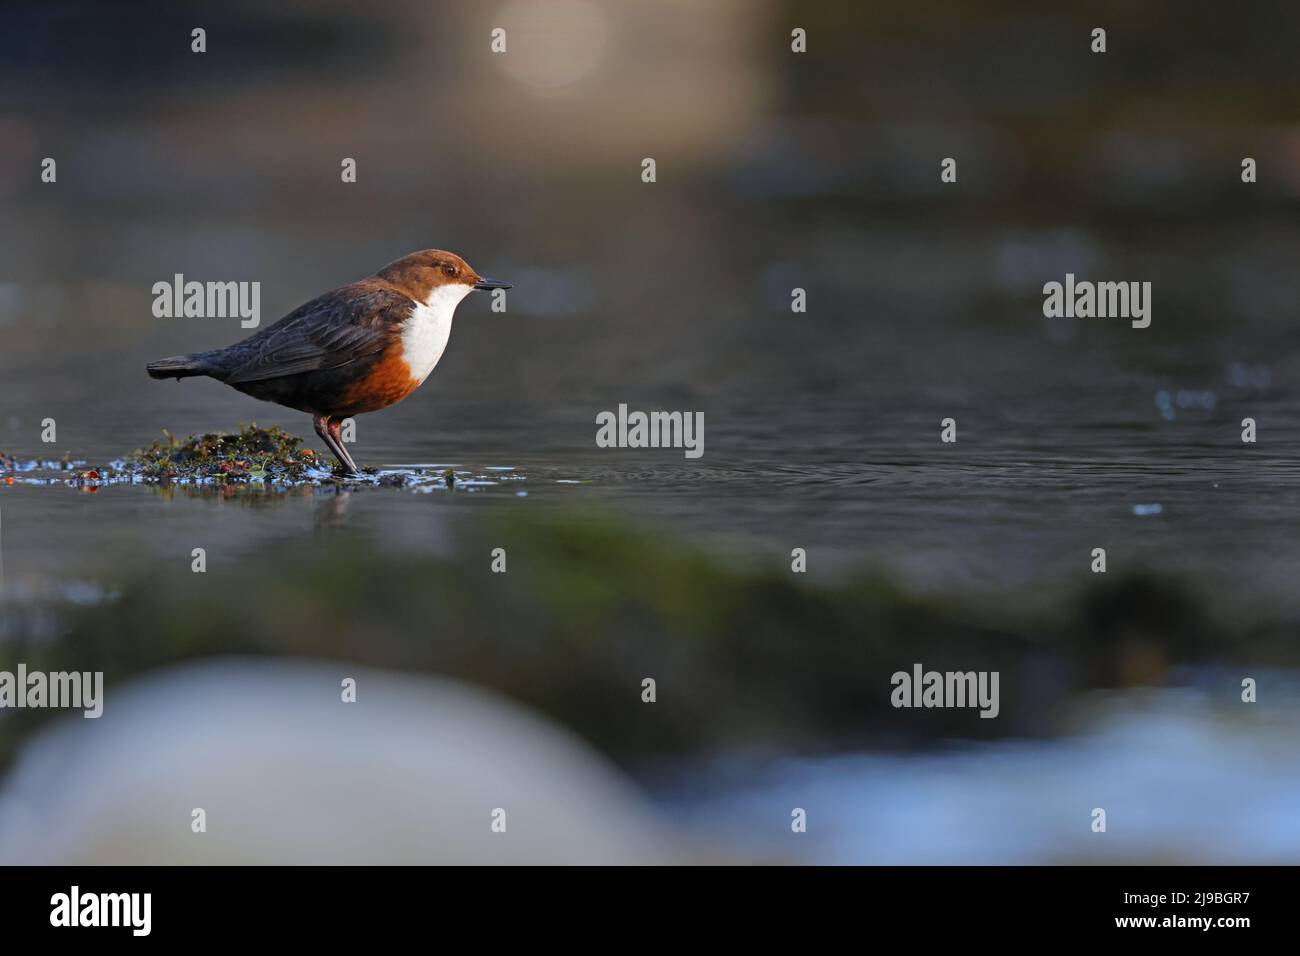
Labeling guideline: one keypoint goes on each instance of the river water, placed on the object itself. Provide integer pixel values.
(822, 427)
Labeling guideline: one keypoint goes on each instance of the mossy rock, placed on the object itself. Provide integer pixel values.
(252, 454)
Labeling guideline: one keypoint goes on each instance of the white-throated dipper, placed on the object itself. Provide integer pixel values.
(358, 349)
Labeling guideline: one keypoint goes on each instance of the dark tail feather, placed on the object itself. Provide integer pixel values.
(180, 366)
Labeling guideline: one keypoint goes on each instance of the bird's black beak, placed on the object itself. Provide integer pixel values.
(487, 285)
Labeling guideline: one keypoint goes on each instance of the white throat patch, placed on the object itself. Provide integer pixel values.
(425, 332)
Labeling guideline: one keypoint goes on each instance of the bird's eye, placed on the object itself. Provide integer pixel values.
(449, 269)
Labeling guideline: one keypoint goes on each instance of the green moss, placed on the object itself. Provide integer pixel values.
(253, 454)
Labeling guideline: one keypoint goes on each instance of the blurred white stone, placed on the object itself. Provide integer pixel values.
(288, 773)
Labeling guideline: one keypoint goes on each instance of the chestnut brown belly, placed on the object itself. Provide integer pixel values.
(386, 382)
(363, 386)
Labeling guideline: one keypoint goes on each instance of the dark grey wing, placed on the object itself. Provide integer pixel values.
(334, 330)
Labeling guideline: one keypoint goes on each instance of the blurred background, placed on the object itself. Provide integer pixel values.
(775, 170)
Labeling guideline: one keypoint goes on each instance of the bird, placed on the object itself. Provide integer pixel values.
(362, 347)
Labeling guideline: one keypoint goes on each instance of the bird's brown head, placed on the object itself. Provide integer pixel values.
(423, 273)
